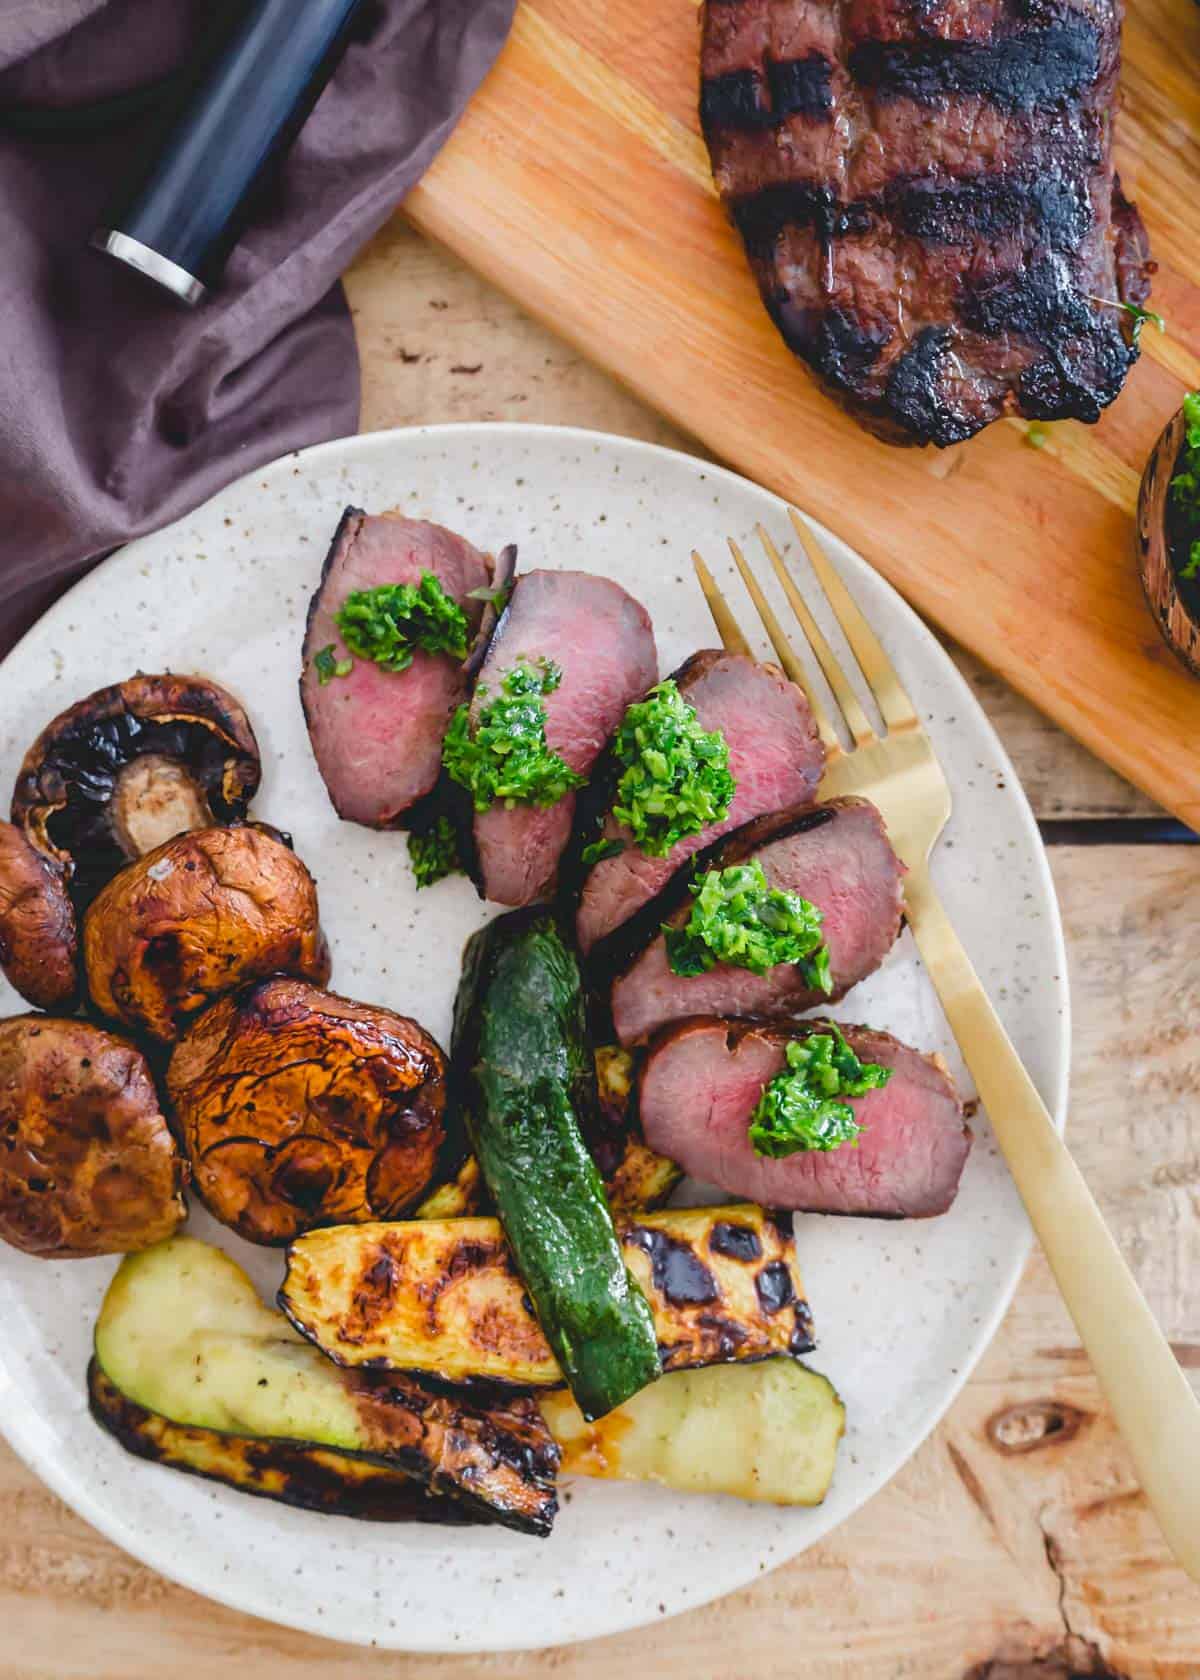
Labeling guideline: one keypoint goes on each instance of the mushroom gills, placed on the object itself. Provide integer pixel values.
(130, 766)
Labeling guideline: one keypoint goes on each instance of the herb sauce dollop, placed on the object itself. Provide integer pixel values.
(675, 776)
(803, 1107)
(506, 755)
(433, 851)
(387, 624)
(738, 918)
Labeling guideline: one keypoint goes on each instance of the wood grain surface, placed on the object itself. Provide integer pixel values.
(1014, 1546)
(579, 183)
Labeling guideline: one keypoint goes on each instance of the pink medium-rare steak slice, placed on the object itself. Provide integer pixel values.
(701, 1080)
(602, 641)
(377, 735)
(775, 758)
(926, 193)
(837, 856)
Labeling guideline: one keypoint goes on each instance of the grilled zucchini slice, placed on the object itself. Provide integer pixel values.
(459, 1196)
(444, 1297)
(526, 1081)
(767, 1432)
(183, 1333)
(313, 1478)
(635, 1178)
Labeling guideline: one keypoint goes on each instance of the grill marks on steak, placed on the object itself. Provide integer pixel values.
(836, 855)
(701, 1081)
(926, 194)
(775, 757)
(377, 735)
(603, 642)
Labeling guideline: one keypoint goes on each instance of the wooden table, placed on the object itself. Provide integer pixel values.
(1015, 1544)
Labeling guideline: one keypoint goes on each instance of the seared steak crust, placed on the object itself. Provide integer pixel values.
(837, 855)
(926, 194)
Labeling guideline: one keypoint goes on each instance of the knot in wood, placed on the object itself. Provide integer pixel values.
(1041, 1423)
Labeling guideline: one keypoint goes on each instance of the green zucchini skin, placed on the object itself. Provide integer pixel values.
(527, 1087)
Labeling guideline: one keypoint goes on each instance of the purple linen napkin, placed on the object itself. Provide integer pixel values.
(120, 409)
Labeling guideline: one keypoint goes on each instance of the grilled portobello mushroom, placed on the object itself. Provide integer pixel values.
(129, 767)
(301, 1108)
(88, 1165)
(39, 941)
(198, 917)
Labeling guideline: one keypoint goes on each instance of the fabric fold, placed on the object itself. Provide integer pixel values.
(119, 409)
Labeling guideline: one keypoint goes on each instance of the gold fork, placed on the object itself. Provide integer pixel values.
(1150, 1397)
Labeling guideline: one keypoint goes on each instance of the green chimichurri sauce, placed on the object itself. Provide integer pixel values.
(506, 757)
(388, 624)
(737, 918)
(433, 851)
(1184, 533)
(803, 1107)
(674, 777)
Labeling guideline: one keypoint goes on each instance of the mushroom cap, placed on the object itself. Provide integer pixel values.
(87, 1162)
(39, 944)
(197, 917)
(299, 1108)
(126, 768)
(1174, 603)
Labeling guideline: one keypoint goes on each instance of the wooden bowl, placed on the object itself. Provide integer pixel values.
(1178, 620)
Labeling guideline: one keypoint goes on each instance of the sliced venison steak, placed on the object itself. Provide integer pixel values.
(377, 735)
(775, 758)
(926, 193)
(602, 641)
(701, 1081)
(837, 856)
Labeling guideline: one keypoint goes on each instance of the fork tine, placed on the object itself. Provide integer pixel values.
(857, 720)
(784, 649)
(895, 707)
(727, 626)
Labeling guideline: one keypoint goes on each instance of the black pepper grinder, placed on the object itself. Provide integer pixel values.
(180, 221)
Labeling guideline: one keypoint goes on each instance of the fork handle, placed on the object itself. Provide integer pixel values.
(1151, 1399)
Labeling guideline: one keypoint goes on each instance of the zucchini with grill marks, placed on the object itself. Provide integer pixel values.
(767, 1432)
(528, 1093)
(312, 1478)
(183, 1333)
(456, 1197)
(634, 1176)
(443, 1297)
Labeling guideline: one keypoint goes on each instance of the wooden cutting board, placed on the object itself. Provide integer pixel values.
(578, 181)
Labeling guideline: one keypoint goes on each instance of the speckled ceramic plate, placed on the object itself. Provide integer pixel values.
(902, 1310)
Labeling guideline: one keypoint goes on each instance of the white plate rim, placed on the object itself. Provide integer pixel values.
(22, 1437)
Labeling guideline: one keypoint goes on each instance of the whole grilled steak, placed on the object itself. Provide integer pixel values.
(602, 641)
(377, 735)
(702, 1079)
(926, 193)
(837, 856)
(775, 758)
